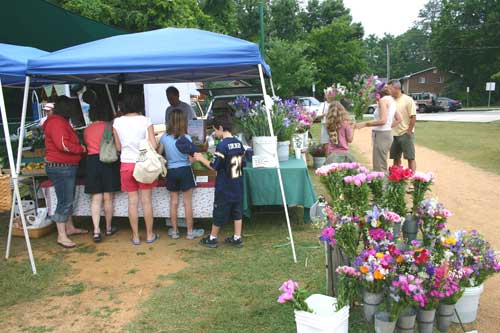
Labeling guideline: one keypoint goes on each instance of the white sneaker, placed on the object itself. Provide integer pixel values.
(174, 234)
(195, 233)
(170, 231)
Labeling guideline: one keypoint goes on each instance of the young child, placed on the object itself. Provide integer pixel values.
(340, 134)
(228, 163)
(180, 177)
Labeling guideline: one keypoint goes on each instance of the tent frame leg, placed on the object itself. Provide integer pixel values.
(110, 99)
(14, 171)
(282, 188)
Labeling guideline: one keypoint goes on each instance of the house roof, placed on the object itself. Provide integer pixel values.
(419, 72)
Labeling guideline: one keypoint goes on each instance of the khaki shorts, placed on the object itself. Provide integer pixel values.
(405, 145)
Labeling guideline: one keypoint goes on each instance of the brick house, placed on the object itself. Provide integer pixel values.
(428, 80)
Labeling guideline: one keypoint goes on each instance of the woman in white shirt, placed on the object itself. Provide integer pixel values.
(385, 118)
(128, 131)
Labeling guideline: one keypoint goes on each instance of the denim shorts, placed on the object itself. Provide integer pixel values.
(225, 211)
(64, 180)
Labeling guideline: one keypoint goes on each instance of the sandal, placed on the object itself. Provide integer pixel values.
(111, 231)
(66, 245)
(152, 240)
(97, 237)
(135, 242)
(78, 232)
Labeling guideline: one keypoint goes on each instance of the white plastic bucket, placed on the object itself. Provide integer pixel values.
(300, 140)
(467, 305)
(324, 319)
(283, 151)
(265, 146)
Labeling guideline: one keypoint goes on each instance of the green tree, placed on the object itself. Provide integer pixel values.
(465, 39)
(142, 15)
(223, 13)
(321, 13)
(285, 22)
(292, 71)
(337, 49)
(247, 15)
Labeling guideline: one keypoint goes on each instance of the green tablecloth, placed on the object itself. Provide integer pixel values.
(261, 187)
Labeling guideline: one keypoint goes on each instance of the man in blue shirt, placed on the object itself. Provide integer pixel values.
(228, 163)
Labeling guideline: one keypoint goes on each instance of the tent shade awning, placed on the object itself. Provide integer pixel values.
(13, 60)
(164, 55)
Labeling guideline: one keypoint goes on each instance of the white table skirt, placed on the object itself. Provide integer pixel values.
(203, 202)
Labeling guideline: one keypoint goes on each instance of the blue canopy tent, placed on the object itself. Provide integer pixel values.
(159, 56)
(13, 60)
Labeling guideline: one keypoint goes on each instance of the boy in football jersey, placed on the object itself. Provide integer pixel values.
(228, 162)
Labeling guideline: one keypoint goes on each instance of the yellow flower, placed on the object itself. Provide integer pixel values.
(450, 241)
(439, 217)
(379, 255)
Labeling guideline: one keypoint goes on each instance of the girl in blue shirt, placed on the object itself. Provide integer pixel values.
(180, 177)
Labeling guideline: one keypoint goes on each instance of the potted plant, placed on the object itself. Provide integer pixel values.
(317, 151)
(284, 125)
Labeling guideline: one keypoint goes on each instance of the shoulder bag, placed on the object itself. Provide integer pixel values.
(107, 150)
(149, 164)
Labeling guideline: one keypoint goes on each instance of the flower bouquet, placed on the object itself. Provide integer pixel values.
(332, 176)
(394, 198)
(343, 233)
(356, 195)
(376, 183)
(348, 285)
(432, 217)
(316, 150)
(421, 184)
(480, 257)
(293, 294)
(361, 94)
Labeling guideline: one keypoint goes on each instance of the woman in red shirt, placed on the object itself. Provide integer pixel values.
(63, 154)
(101, 179)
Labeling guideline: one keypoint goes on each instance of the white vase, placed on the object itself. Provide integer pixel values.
(283, 151)
(300, 140)
(467, 305)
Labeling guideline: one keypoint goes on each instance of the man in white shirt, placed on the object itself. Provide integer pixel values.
(175, 103)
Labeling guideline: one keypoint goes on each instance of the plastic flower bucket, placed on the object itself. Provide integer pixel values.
(324, 319)
(467, 305)
(265, 146)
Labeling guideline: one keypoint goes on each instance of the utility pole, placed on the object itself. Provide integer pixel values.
(388, 62)
(261, 16)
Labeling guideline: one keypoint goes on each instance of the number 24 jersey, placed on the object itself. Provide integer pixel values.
(229, 162)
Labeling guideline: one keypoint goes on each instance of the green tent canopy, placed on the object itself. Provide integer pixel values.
(40, 24)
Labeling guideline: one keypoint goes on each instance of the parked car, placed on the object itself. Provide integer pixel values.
(426, 102)
(311, 104)
(449, 104)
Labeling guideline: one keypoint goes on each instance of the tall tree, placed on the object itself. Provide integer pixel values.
(285, 22)
(292, 71)
(247, 13)
(142, 15)
(337, 50)
(223, 13)
(465, 39)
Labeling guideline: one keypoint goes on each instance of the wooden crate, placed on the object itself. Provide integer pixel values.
(17, 230)
(38, 152)
(207, 172)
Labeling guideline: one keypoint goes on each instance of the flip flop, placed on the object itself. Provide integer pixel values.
(66, 246)
(79, 232)
(111, 231)
(155, 237)
(135, 242)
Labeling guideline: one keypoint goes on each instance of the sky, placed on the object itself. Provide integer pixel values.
(385, 16)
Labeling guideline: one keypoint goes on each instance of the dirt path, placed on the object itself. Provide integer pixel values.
(473, 195)
(108, 283)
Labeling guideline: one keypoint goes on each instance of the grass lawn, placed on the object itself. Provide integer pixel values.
(474, 143)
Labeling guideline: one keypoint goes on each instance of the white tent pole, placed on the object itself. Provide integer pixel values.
(23, 123)
(14, 174)
(110, 99)
(272, 86)
(261, 74)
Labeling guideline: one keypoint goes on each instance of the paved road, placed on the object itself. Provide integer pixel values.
(465, 116)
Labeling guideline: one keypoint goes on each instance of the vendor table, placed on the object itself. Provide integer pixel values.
(203, 201)
(261, 187)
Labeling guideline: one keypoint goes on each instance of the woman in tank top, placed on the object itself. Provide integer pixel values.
(385, 118)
